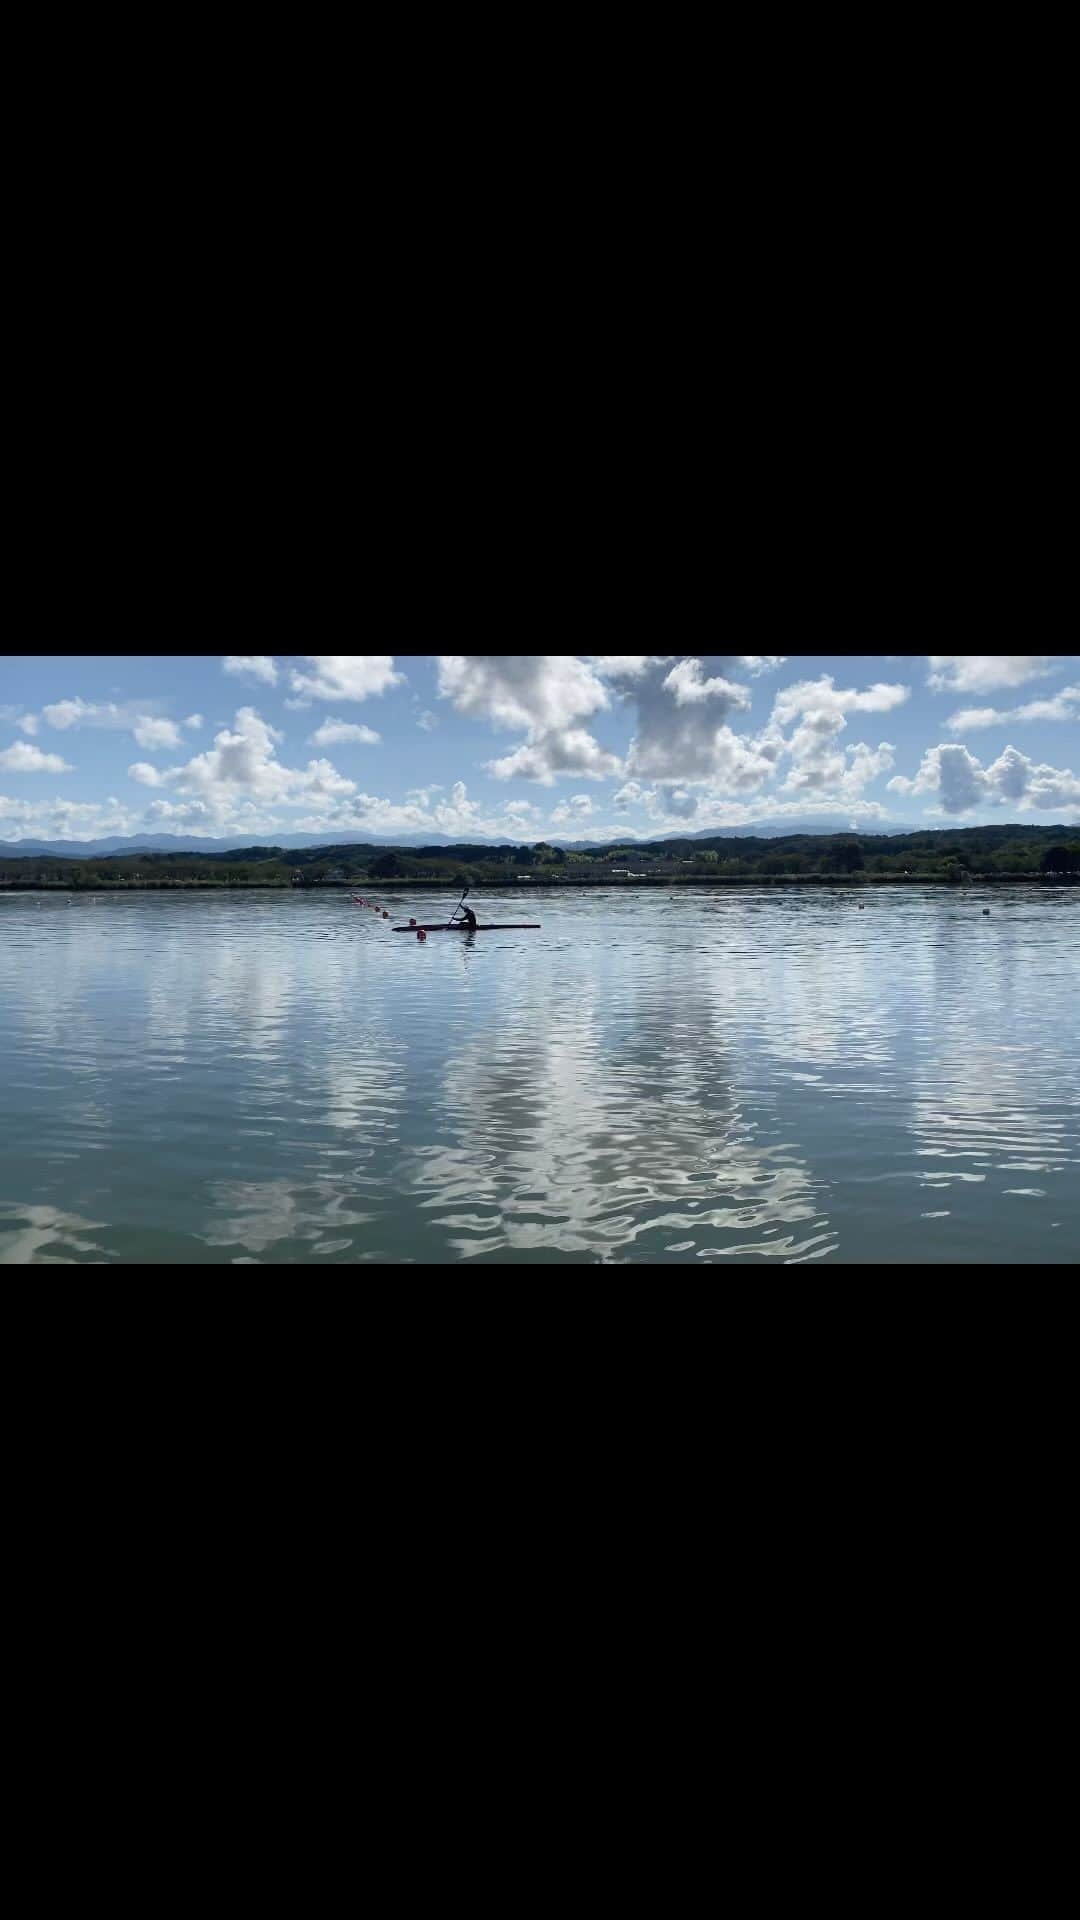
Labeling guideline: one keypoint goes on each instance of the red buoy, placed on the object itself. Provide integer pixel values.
(420, 934)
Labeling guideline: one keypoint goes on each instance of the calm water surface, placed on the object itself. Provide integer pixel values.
(753, 1076)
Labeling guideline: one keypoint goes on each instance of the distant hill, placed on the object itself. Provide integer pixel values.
(813, 828)
(194, 843)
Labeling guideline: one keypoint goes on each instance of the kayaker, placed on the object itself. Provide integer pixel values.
(469, 918)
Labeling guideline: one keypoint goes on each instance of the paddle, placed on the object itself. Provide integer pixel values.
(457, 909)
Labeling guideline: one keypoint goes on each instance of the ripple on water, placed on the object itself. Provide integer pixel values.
(759, 1077)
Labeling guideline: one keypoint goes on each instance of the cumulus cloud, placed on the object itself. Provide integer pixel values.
(703, 809)
(333, 731)
(682, 711)
(578, 807)
(194, 721)
(624, 665)
(251, 666)
(29, 722)
(128, 717)
(546, 695)
(182, 813)
(156, 733)
(63, 714)
(687, 685)
(23, 758)
(1062, 706)
(820, 765)
(982, 672)
(427, 720)
(682, 705)
(758, 663)
(548, 755)
(537, 692)
(455, 815)
(57, 819)
(824, 696)
(345, 676)
(242, 767)
(961, 782)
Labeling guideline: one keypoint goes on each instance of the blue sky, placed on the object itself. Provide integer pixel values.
(531, 746)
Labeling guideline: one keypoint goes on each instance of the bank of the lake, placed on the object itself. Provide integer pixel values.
(559, 883)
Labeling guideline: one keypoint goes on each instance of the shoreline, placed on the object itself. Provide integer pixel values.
(644, 883)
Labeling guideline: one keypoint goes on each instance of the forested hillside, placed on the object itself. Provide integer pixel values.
(944, 854)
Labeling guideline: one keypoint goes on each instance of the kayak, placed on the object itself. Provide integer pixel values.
(461, 926)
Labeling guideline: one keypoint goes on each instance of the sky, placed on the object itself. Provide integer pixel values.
(526, 747)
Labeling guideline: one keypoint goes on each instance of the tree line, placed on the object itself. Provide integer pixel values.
(948, 853)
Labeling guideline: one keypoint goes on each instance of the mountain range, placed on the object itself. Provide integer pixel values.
(193, 843)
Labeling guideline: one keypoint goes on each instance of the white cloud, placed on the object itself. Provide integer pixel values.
(578, 807)
(346, 676)
(1062, 706)
(29, 723)
(539, 692)
(251, 666)
(427, 720)
(156, 733)
(864, 765)
(456, 815)
(333, 731)
(63, 714)
(628, 666)
(57, 819)
(823, 696)
(194, 721)
(182, 813)
(712, 810)
(758, 663)
(682, 713)
(969, 719)
(545, 694)
(23, 758)
(981, 673)
(67, 713)
(961, 782)
(573, 751)
(820, 766)
(241, 767)
(686, 685)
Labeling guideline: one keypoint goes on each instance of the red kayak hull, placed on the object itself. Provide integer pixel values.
(459, 926)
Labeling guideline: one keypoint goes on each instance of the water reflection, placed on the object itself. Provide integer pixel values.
(614, 1132)
(754, 1077)
(46, 1236)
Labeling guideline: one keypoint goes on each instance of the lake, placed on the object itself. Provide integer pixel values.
(714, 1078)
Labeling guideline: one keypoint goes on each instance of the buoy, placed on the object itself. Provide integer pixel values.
(862, 909)
(386, 916)
(420, 934)
(986, 911)
(412, 920)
